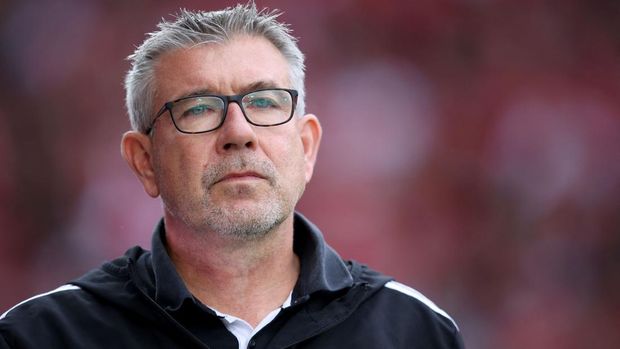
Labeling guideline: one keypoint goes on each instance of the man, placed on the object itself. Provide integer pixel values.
(216, 103)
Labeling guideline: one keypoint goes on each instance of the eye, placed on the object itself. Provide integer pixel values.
(197, 110)
(262, 103)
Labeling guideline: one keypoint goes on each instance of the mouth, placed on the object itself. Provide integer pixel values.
(240, 176)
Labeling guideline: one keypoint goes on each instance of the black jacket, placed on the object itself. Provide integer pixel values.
(139, 301)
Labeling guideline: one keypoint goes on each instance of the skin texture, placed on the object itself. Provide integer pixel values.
(228, 195)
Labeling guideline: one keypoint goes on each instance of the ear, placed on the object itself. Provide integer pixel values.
(136, 149)
(310, 132)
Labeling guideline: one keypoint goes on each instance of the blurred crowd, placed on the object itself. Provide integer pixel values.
(471, 149)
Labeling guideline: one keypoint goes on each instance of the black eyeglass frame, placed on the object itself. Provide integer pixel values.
(227, 100)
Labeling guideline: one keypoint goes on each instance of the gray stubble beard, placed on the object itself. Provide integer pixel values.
(241, 224)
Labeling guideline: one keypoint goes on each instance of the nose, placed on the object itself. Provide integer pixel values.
(236, 133)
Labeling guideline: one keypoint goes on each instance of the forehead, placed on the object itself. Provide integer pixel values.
(223, 68)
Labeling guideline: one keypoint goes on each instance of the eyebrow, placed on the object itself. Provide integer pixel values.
(257, 85)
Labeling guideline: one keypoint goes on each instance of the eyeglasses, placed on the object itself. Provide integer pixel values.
(204, 113)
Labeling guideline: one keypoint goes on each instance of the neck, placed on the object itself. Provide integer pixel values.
(246, 279)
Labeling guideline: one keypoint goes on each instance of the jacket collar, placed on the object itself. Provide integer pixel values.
(170, 290)
(322, 270)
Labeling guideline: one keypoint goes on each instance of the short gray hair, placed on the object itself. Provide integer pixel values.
(192, 28)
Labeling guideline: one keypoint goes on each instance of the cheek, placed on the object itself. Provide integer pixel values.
(180, 165)
(291, 157)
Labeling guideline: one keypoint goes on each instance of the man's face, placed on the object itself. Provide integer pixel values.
(239, 180)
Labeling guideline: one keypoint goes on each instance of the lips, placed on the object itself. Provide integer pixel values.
(242, 168)
(240, 175)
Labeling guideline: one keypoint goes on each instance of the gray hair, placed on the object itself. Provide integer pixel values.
(194, 28)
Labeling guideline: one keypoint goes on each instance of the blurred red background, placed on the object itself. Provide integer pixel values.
(471, 150)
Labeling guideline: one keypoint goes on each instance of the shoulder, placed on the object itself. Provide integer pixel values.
(403, 310)
(66, 316)
(40, 315)
(404, 295)
(394, 292)
(56, 313)
(408, 315)
(58, 297)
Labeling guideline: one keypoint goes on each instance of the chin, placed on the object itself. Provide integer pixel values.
(244, 221)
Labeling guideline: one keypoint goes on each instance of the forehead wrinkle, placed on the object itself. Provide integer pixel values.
(257, 85)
